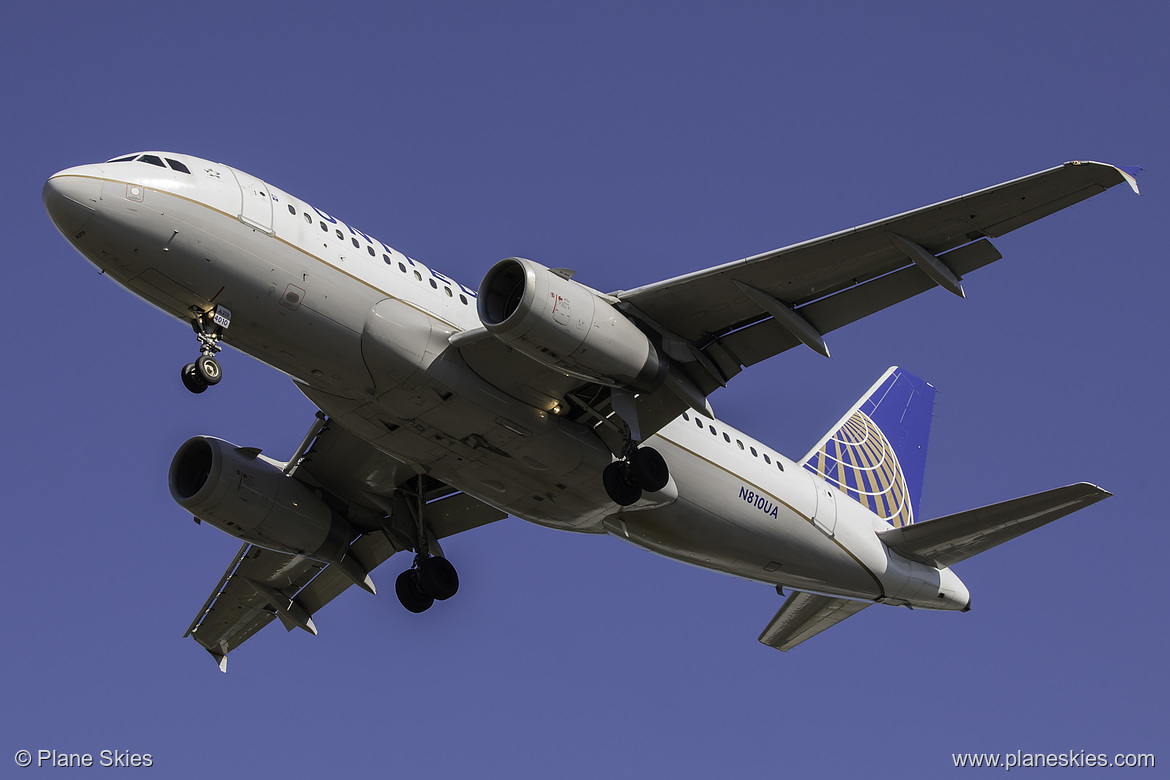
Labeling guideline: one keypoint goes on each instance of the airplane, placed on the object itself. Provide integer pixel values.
(443, 408)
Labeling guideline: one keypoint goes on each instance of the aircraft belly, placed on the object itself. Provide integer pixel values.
(533, 465)
(714, 525)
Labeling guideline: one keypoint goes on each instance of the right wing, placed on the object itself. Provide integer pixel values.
(804, 615)
(262, 585)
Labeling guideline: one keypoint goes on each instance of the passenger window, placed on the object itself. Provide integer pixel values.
(340, 237)
(727, 438)
(779, 465)
(417, 276)
(698, 422)
(370, 249)
(152, 159)
(754, 453)
(178, 166)
(308, 219)
(433, 285)
(448, 291)
(324, 227)
(739, 443)
(402, 267)
(686, 417)
(766, 458)
(463, 299)
(386, 259)
(712, 429)
(292, 210)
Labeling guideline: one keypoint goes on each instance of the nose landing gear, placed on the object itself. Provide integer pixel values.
(209, 328)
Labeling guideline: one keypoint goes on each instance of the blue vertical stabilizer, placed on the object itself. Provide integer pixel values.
(876, 454)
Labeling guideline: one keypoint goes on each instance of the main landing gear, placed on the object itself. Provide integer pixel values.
(642, 469)
(430, 578)
(209, 328)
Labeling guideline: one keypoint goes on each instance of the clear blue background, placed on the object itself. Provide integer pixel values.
(631, 141)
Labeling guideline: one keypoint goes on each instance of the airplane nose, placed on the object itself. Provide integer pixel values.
(71, 200)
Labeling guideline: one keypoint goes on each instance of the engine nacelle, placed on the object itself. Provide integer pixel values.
(567, 326)
(247, 496)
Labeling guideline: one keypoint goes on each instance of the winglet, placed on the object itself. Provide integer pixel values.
(1128, 172)
(220, 660)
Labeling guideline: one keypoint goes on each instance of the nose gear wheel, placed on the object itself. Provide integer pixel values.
(209, 328)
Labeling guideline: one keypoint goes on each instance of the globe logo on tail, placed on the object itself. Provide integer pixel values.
(858, 460)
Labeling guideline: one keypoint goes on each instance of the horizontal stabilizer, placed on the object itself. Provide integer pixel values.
(803, 616)
(948, 540)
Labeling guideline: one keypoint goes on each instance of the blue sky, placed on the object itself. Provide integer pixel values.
(632, 142)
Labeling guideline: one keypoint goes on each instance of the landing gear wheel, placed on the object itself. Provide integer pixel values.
(437, 578)
(410, 593)
(208, 370)
(648, 469)
(619, 483)
(191, 379)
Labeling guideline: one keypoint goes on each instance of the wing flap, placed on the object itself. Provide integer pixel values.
(948, 540)
(767, 338)
(235, 611)
(803, 616)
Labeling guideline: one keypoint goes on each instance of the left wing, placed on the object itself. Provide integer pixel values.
(713, 323)
(746, 311)
(262, 585)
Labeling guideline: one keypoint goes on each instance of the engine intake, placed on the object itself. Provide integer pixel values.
(252, 499)
(567, 326)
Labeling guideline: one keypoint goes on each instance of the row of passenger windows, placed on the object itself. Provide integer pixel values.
(154, 159)
(385, 257)
(767, 458)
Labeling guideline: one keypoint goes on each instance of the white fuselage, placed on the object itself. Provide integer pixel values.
(364, 331)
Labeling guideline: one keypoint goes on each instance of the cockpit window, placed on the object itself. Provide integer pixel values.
(153, 159)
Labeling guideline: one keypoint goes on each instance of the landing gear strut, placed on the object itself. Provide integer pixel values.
(209, 328)
(432, 577)
(642, 469)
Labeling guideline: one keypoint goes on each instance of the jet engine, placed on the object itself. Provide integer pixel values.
(251, 498)
(567, 326)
